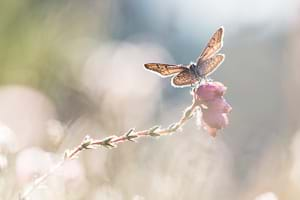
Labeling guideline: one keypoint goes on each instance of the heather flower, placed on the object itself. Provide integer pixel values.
(213, 121)
(218, 105)
(209, 91)
(207, 96)
(214, 107)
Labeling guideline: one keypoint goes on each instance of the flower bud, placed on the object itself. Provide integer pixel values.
(219, 105)
(214, 107)
(209, 91)
(214, 121)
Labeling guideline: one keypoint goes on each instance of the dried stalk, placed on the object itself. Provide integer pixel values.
(110, 142)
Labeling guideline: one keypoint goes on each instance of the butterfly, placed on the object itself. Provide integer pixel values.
(188, 75)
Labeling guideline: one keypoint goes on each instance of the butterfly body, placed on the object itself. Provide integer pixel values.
(186, 75)
(194, 69)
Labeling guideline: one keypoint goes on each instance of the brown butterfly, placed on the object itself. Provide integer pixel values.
(207, 62)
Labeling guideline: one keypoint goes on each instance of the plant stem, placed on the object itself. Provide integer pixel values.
(109, 142)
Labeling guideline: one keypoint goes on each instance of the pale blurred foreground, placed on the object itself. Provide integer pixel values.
(69, 69)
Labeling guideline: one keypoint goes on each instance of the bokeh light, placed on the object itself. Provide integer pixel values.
(75, 68)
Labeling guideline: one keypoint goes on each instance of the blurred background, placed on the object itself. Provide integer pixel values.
(72, 68)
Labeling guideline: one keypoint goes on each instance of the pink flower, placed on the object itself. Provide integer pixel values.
(214, 121)
(209, 96)
(218, 105)
(209, 91)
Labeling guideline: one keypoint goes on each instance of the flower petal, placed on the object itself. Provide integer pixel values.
(209, 91)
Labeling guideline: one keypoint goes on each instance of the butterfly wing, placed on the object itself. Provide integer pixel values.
(165, 69)
(210, 65)
(213, 46)
(184, 78)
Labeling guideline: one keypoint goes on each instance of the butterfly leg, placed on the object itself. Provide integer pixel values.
(193, 85)
(202, 80)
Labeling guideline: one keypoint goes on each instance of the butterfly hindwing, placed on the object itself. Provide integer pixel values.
(164, 69)
(184, 78)
(211, 64)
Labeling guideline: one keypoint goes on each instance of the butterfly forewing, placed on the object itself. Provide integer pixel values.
(184, 78)
(213, 46)
(211, 64)
(165, 69)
